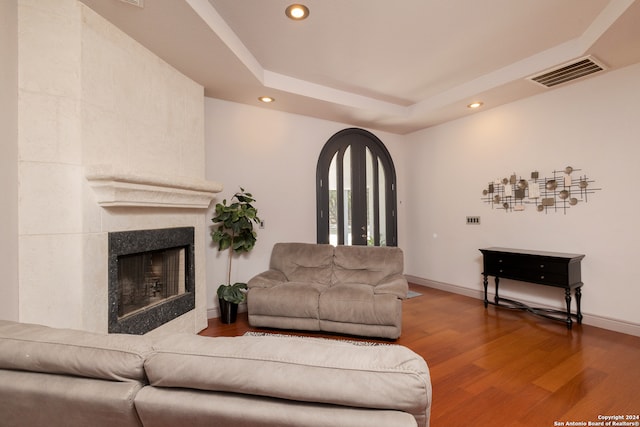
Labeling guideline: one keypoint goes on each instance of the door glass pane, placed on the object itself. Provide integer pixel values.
(333, 202)
(346, 198)
(370, 199)
(382, 184)
(346, 182)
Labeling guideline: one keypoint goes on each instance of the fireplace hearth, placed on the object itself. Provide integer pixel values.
(151, 278)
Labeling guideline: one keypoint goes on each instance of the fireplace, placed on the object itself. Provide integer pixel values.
(151, 278)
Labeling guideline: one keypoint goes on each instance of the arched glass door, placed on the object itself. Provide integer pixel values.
(356, 191)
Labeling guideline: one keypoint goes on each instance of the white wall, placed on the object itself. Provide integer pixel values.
(9, 159)
(273, 155)
(591, 125)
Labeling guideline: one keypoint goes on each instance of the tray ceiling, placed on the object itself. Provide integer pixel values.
(392, 66)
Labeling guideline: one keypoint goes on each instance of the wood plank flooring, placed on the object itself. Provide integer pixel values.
(497, 367)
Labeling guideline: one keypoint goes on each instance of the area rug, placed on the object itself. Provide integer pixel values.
(413, 294)
(354, 342)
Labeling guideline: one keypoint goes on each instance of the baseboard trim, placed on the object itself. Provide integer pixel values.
(588, 319)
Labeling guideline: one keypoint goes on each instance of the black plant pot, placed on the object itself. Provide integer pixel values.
(228, 311)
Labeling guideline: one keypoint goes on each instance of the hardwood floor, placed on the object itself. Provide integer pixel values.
(497, 367)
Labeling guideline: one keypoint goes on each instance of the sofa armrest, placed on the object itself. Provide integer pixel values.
(267, 279)
(395, 285)
(38, 348)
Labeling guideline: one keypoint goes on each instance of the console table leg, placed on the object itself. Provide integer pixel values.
(567, 298)
(497, 298)
(578, 298)
(485, 282)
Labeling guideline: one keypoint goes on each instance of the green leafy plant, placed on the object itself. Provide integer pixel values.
(235, 293)
(235, 232)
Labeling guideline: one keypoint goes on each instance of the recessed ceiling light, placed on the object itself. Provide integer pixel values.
(297, 12)
(266, 99)
(476, 104)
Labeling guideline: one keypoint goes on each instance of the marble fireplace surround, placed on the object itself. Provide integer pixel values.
(129, 190)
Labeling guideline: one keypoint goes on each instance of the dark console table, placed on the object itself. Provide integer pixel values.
(542, 268)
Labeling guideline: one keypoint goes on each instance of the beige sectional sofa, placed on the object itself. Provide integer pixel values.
(356, 290)
(56, 377)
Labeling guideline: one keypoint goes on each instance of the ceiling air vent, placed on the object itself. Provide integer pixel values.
(573, 70)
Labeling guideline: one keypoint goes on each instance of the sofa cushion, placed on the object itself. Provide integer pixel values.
(357, 303)
(276, 300)
(311, 370)
(303, 262)
(37, 399)
(163, 407)
(366, 264)
(39, 348)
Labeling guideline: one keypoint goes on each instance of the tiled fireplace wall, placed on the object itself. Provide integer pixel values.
(111, 138)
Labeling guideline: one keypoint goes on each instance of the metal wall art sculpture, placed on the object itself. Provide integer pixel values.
(563, 190)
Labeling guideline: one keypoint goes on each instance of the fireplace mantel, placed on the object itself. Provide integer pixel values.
(115, 188)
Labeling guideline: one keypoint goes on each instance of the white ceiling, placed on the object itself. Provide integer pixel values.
(396, 66)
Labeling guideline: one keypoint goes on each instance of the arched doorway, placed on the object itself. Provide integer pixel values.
(356, 191)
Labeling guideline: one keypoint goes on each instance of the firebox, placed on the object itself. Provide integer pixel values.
(151, 278)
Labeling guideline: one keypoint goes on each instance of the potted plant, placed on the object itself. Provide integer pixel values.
(229, 296)
(235, 233)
